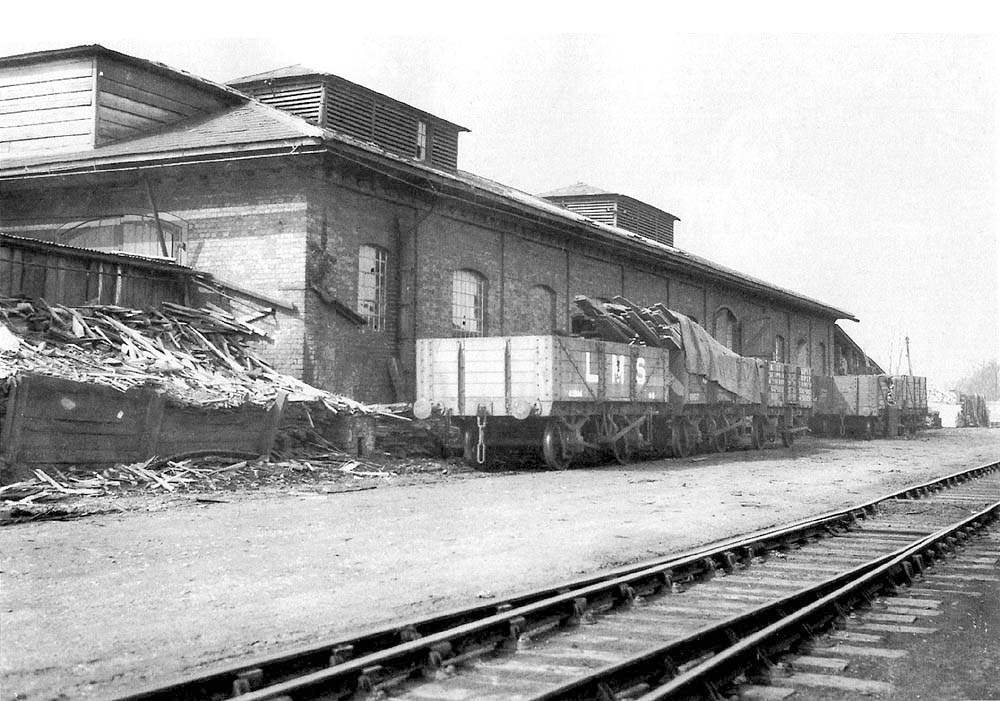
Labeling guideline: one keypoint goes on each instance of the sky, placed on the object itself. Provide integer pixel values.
(857, 166)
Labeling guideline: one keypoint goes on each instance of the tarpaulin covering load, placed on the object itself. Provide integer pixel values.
(706, 356)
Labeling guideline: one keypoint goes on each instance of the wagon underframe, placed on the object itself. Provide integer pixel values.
(627, 430)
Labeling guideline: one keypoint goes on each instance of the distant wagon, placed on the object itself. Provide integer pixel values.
(870, 405)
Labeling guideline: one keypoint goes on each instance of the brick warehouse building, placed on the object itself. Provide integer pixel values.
(346, 209)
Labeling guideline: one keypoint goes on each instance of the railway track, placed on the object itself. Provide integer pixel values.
(682, 626)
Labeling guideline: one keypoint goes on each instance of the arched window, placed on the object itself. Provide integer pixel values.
(372, 288)
(541, 317)
(727, 330)
(138, 234)
(468, 302)
(779, 348)
(824, 368)
(802, 353)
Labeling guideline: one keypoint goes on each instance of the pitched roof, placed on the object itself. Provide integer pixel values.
(223, 91)
(296, 71)
(575, 190)
(252, 125)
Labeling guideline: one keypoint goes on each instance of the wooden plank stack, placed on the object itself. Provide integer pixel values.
(198, 357)
(621, 321)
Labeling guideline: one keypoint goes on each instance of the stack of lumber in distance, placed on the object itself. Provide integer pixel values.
(198, 357)
(622, 321)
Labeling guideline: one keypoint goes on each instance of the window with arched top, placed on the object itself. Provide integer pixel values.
(802, 353)
(468, 302)
(727, 330)
(373, 263)
(541, 312)
(779, 348)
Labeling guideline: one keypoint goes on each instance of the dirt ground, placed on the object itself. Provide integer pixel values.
(162, 586)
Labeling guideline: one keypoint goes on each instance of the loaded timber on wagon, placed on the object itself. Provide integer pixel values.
(649, 381)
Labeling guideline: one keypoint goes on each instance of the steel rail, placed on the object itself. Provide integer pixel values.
(759, 633)
(783, 634)
(345, 665)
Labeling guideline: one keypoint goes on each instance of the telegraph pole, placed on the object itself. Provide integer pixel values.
(909, 366)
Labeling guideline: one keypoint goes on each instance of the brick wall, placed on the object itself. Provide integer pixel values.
(688, 299)
(646, 288)
(340, 354)
(534, 275)
(446, 244)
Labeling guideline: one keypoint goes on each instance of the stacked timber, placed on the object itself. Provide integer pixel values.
(974, 412)
(621, 321)
(196, 357)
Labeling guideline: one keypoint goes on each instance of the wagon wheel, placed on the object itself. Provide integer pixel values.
(770, 436)
(787, 439)
(757, 433)
(680, 440)
(470, 439)
(624, 447)
(555, 445)
(869, 429)
(728, 439)
(713, 441)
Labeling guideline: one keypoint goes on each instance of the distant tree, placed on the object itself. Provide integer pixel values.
(984, 381)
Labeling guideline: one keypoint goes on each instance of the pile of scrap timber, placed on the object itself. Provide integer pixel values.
(197, 357)
(622, 321)
(209, 473)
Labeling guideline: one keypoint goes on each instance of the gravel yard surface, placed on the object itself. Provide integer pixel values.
(97, 606)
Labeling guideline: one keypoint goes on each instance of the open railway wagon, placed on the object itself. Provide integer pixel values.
(567, 396)
(869, 405)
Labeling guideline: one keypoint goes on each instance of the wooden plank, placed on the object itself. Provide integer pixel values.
(70, 443)
(14, 420)
(173, 428)
(154, 115)
(153, 424)
(201, 99)
(137, 94)
(48, 71)
(56, 398)
(56, 87)
(40, 131)
(109, 131)
(80, 456)
(44, 103)
(174, 420)
(271, 425)
(858, 686)
(175, 445)
(45, 116)
(41, 426)
(75, 142)
(115, 117)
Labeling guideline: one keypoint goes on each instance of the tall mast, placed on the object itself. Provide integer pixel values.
(909, 366)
